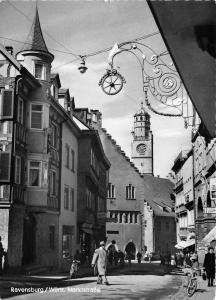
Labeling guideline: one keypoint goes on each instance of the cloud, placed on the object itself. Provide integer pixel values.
(169, 133)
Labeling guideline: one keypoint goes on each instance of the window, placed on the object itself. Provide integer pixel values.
(20, 111)
(131, 217)
(90, 199)
(145, 223)
(135, 218)
(72, 159)
(67, 156)
(167, 226)
(53, 183)
(130, 192)
(111, 191)
(52, 237)
(36, 116)
(18, 170)
(72, 199)
(40, 71)
(54, 135)
(94, 162)
(66, 197)
(34, 173)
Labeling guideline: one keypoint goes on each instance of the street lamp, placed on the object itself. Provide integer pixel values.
(159, 78)
(82, 68)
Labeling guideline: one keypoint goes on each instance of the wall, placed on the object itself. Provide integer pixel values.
(68, 177)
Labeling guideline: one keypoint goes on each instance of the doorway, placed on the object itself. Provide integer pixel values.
(29, 240)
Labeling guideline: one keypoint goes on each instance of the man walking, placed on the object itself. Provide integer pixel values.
(209, 265)
(100, 260)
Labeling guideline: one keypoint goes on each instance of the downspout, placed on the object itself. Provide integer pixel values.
(195, 214)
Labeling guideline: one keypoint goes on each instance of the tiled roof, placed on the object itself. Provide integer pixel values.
(157, 195)
(35, 40)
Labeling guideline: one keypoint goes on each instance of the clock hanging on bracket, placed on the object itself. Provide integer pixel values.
(141, 148)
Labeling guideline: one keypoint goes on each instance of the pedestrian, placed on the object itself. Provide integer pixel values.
(162, 260)
(110, 257)
(139, 256)
(115, 258)
(100, 260)
(150, 257)
(121, 257)
(181, 258)
(188, 259)
(176, 260)
(209, 265)
(1, 256)
(77, 255)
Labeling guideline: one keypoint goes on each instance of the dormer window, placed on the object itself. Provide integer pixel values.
(40, 71)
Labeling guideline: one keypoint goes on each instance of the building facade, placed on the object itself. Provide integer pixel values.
(184, 201)
(136, 201)
(39, 141)
(93, 172)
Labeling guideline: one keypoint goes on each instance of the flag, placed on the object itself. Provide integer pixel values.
(115, 49)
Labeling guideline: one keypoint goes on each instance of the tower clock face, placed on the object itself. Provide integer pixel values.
(141, 148)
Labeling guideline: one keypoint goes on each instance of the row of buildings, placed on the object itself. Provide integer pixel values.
(195, 189)
(52, 166)
(65, 183)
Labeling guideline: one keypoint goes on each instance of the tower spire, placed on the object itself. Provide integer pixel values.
(35, 40)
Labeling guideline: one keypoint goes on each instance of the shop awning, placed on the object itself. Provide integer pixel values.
(210, 236)
(185, 244)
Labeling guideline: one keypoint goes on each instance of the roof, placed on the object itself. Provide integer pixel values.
(157, 193)
(55, 76)
(142, 111)
(35, 40)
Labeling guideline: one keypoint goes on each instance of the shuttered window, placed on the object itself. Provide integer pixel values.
(36, 116)
(6, 105)
(18, 170)
(5, 163)
(20, 111)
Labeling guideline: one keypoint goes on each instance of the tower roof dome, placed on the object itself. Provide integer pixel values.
(141, 112)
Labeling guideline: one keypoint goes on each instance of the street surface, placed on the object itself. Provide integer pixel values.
(138, 282)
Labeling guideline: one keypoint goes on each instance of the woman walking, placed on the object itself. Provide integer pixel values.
(209, 265)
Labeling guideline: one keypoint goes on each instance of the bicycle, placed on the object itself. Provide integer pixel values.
(192, 283)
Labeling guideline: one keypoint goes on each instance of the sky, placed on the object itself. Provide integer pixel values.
(84, 27)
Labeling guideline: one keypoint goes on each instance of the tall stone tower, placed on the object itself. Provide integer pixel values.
(142, 144)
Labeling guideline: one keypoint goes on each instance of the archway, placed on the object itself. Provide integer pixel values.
(29, 240)
(131, 249)
(200, 207)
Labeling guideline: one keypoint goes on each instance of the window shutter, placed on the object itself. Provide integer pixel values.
(5, 162)
(7, 105)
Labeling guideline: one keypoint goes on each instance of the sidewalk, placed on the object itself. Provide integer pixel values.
(84, 271)
(203, 292)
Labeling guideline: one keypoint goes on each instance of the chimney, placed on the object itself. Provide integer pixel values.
(9, 49)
